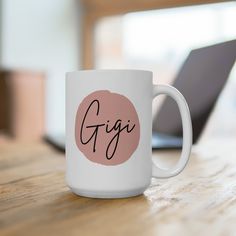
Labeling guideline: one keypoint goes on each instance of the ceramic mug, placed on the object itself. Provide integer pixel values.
(109, 130)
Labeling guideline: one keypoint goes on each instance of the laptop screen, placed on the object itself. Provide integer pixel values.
(200, 79)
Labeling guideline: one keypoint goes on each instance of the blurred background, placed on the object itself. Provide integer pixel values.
(41, 40)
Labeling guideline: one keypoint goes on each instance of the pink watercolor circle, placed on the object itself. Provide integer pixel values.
(107, 129)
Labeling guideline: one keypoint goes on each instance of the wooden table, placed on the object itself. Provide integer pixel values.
(34, 199)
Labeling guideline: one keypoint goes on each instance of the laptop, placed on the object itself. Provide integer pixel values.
(201, 80)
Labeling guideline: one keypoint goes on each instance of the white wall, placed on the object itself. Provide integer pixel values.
(0, 31)
(43, 35)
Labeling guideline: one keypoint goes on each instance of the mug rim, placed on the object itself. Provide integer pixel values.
(107, 71)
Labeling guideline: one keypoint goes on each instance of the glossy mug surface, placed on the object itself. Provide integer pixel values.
(109, 129)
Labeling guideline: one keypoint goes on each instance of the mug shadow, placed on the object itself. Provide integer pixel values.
(68, 205)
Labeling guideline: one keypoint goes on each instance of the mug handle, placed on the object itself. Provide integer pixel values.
(187, 132)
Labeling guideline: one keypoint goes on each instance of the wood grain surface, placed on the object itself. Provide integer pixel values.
(34, 199)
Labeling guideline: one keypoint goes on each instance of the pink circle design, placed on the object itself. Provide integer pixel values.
(107, 129)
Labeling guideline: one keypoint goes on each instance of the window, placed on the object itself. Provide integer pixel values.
(159, 40)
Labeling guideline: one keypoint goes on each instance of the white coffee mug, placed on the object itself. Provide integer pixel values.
(109, 130)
